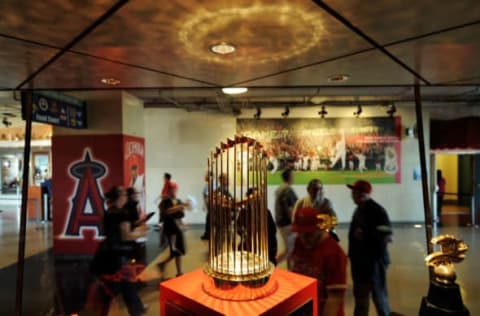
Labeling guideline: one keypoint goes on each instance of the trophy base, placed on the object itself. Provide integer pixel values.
(443, 300)
(237, 289)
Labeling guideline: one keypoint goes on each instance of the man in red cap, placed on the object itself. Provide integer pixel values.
(318, 255)
(369, 233)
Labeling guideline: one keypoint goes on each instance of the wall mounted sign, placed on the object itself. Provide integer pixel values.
(335, 150)
(57, 109)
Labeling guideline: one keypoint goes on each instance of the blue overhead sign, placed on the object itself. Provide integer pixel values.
(57, 109)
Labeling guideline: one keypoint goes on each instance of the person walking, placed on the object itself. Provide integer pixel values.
(441, 184)
(112, 263)
(316, 199)
(172, 210)
(169, 187)
(246, 217)
(318, 255)
(370, 232)
(285, 199)
(132, 207)
(205, 193)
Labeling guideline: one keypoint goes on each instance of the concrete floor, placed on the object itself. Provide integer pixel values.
(51, 285)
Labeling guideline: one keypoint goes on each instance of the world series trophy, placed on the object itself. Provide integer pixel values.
(238, 268)
(444, 296)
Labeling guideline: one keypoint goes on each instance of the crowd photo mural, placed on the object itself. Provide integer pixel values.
(335, 150)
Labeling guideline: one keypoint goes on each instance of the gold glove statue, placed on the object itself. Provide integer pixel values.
(452, 250)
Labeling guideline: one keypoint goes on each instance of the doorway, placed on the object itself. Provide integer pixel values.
(461, 173)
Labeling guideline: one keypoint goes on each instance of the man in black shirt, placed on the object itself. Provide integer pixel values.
(369, 233)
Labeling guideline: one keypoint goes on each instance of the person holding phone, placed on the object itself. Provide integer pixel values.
(172, 210)
(132, 207)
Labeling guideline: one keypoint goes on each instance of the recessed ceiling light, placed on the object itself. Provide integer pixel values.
(338, 78)
(110, 81)
(222, 48)
(234, 90)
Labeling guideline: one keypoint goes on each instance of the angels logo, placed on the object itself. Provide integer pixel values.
(87, 203)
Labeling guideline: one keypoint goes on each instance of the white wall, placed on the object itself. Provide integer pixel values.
(178, 142)
(132, 115)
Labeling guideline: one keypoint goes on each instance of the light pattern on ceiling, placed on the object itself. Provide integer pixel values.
(287, 31)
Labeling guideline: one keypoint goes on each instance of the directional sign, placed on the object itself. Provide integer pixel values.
(57, 109)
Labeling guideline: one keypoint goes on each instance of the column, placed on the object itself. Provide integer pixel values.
(88, 162)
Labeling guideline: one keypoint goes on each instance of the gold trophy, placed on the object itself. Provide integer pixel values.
(444, 296)
(238, 267)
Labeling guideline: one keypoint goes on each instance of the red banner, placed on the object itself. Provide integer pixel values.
(134, 167)
(84, 167)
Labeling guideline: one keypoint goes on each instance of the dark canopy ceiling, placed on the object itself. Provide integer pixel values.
(285, 44)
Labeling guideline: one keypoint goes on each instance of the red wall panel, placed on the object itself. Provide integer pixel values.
(84, 168)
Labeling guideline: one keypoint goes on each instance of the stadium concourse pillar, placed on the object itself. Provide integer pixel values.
(88, 162)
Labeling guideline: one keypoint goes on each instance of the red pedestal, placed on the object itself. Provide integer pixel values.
(184, 296)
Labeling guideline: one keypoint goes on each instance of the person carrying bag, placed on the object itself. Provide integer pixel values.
(114, 264)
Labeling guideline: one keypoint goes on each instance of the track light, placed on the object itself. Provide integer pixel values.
(258, 114)
(286, 112)
(6, 122)
(358, 111)
(392, 109)
(323, 112)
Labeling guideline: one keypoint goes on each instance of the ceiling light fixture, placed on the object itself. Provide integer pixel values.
(358, 111)
(234, 90)
(110, 81)
(258, 114)
(286, 112)
(323, 112)
(222, 48)
(392, 109)
(338, 78)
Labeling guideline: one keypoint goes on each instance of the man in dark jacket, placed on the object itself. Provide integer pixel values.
(370, 231)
